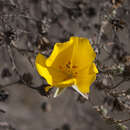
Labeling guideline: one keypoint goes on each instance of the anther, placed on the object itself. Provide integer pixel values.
(60, 67)
(74, 66)
(67, 65)
(69, 62)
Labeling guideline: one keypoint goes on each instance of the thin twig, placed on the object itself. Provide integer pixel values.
(122, 121)
(9, 84)
(118, 84)
(2, 111)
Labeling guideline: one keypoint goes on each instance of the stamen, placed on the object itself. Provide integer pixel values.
(69, 62)
(74, 66)
(60, 67)
(67, 65)
(76, 72)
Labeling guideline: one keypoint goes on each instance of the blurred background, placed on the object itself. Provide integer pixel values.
(31, 26)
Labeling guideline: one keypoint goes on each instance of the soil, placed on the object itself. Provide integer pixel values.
(54, 21)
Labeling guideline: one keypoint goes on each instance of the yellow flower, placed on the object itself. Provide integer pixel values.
(71, 64)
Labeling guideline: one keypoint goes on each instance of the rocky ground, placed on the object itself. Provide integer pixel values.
(36, 25)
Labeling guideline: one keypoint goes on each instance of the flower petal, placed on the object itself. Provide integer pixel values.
(85, 78)
(61, 54)
(83, 53)
(77, 90)
(66, 83)
(52, 75)
(47, 88)
(93, 69)
(85, 83)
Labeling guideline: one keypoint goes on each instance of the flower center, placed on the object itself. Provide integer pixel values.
(70, 69)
